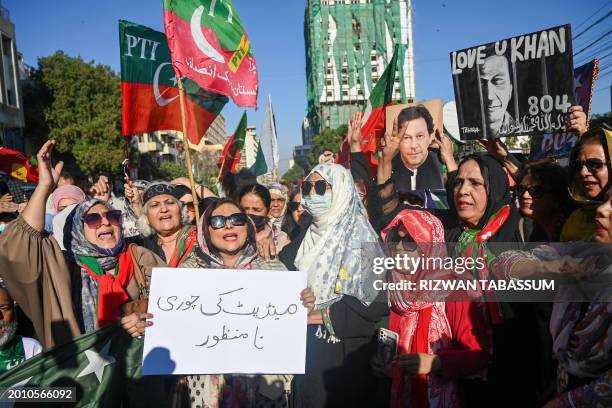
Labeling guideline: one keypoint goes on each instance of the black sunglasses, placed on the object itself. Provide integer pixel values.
(94, 220)
(293, 206)
(591, 164)
(534, 192)
(408, 243)
(319, 186)
(219, 221)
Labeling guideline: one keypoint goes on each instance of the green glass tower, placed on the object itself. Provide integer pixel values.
(348, 46)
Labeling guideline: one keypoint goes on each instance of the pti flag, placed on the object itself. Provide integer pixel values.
(373, 121)
(209, 44)
(229, 160)
(100, 366)
(267, 157)
(17, 165)
(149, 88)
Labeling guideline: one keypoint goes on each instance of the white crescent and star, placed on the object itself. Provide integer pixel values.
(199, 38)
(97, 362)
(161, 101)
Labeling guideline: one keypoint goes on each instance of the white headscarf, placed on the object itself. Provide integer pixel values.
(278, 189)
(340, 245)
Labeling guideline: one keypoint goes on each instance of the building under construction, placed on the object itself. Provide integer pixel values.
(348, 46)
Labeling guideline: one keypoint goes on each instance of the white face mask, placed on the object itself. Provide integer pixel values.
(316, 204)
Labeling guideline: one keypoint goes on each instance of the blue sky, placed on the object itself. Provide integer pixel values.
(89, 29)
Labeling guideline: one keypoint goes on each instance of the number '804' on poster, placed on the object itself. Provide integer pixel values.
(517, 86)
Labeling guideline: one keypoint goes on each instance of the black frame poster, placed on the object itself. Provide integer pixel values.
(517, 86)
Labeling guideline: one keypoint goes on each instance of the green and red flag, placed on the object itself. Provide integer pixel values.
(149, 88)
(100, 365)
(374, 116)
(230, 158)
(17, 165)
(209, 44)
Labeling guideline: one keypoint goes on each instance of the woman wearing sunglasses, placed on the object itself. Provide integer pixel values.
(228, 241)
(257, 202)
(297, 219)
(589, 178)
(439, 342)
(337, 252)
(164, 222)
(67, 296)
(543, 201)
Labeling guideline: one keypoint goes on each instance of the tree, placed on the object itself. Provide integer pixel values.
(293, 174)
(84, 115)
(170, 170)
(329, 139)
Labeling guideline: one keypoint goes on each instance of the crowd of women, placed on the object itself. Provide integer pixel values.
(91, 266)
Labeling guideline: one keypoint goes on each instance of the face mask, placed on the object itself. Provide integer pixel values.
(259, 220)
(317, 204)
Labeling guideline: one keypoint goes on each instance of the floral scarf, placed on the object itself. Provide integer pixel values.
(338, 249)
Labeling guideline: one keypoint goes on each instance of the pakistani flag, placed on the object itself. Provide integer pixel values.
(267, 158)
(99, 365)
(374, 116)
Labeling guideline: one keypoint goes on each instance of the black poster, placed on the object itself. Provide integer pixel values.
(518, 86)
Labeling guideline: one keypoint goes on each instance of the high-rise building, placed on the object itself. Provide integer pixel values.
(11, 109)
(348, 46)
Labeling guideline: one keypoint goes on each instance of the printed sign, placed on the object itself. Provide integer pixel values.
(518, 86)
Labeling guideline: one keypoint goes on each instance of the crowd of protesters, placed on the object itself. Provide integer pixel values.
(72, 261)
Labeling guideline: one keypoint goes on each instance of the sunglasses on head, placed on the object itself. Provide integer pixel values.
(319, 187)
(534, 192)
(591, 164)
(219, 221)
(293, 206)
(94, 220)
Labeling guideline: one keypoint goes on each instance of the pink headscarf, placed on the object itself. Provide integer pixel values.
(67, 191)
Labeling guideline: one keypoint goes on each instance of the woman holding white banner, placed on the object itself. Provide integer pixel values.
(337, 251)
(228, 241)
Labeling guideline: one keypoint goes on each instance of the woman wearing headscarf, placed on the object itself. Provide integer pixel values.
(479, 194)
(65, 196)
(337, 252)
(257, 202)
(589, 178)
(227, 241)
(297, 218)
(164, 223)
(439, 342)
(543, 201)
(67, 297)
(278, 204)
(581, 322)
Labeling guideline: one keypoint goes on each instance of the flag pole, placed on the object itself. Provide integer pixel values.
(196, 201)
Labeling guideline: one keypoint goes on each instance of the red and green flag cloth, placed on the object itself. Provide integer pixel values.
(149, 88)
(230, 158)
(209, 44)
(17, 165)
(374, 117)
(101, 365)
